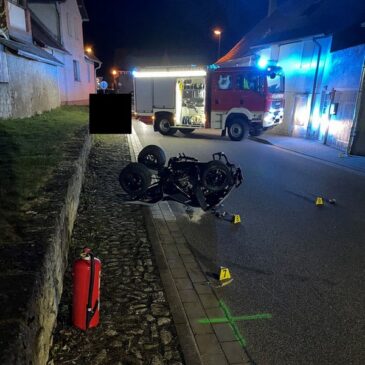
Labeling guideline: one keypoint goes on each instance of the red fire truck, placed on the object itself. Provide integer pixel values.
(237, 100)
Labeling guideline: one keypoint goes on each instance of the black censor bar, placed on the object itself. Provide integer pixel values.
(110, 114)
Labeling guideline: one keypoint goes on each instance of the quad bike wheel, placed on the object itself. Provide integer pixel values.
(216, 176)
(153, 157)
(135, 178)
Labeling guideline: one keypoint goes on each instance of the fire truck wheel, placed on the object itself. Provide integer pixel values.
(135, 178)
(164, 127)
(237, 129)
(186, 130)
(216, 176)
(153, 157)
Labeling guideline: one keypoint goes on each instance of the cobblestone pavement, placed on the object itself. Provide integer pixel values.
(136, 325)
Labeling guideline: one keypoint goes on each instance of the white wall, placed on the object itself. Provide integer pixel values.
(71, 32)
(299, 62)
(32, 88)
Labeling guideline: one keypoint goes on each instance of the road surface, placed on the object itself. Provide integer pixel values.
(302, 264)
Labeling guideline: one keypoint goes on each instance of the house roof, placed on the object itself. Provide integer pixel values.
(83, 11)
(92, 58)
(297, 20)
(30, 51)
(43, 36)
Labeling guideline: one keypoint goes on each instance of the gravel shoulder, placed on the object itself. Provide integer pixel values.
(136, 324)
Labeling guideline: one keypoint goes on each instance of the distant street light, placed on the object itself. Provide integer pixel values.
(89, 50)
(114, 73)
(218, 33)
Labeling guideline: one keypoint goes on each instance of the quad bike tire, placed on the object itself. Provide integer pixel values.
(153, 157)
(216, 176)
(135, 178)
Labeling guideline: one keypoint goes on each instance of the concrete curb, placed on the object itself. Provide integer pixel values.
(185, 335)
(188, 293)
(46, 242)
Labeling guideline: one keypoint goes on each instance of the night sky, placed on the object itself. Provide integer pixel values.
(132, 33)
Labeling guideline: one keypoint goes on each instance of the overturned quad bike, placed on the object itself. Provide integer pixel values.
(184, 179)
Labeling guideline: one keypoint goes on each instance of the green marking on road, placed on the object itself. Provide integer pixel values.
(236, 319)
(232, 321)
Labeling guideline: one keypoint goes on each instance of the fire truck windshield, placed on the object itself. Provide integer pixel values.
(275, 83)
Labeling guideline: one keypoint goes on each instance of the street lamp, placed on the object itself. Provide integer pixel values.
(114, 73)
(89, 50)
(218, 33)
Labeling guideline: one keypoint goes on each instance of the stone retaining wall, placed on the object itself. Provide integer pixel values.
(32, 272)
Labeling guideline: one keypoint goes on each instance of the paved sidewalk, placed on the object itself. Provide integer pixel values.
(315, 149)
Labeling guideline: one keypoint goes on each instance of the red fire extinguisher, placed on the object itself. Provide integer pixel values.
(86, 291)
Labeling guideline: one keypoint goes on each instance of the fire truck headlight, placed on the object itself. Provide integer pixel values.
(268, 117)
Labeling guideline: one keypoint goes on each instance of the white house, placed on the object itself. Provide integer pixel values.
(43, 63)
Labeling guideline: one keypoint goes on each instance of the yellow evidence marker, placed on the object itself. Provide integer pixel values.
(319, 201)
(224, 273)
(236, 219)
(224, 277)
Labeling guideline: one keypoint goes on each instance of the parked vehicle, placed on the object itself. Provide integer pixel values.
(185, 179)
(237, 100)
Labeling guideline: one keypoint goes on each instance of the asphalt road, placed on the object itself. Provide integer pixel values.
(302, 264)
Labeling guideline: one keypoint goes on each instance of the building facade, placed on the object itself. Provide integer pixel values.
(42, 59)
(322, 55)
(63, 20)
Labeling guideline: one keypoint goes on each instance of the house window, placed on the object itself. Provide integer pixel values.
(18, 2)
(76, 70)
(76, 28)
(88, 73)
(69, 25)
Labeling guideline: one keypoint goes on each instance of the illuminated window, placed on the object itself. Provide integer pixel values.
(76, 70)
(225, 82)
(249, 82)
